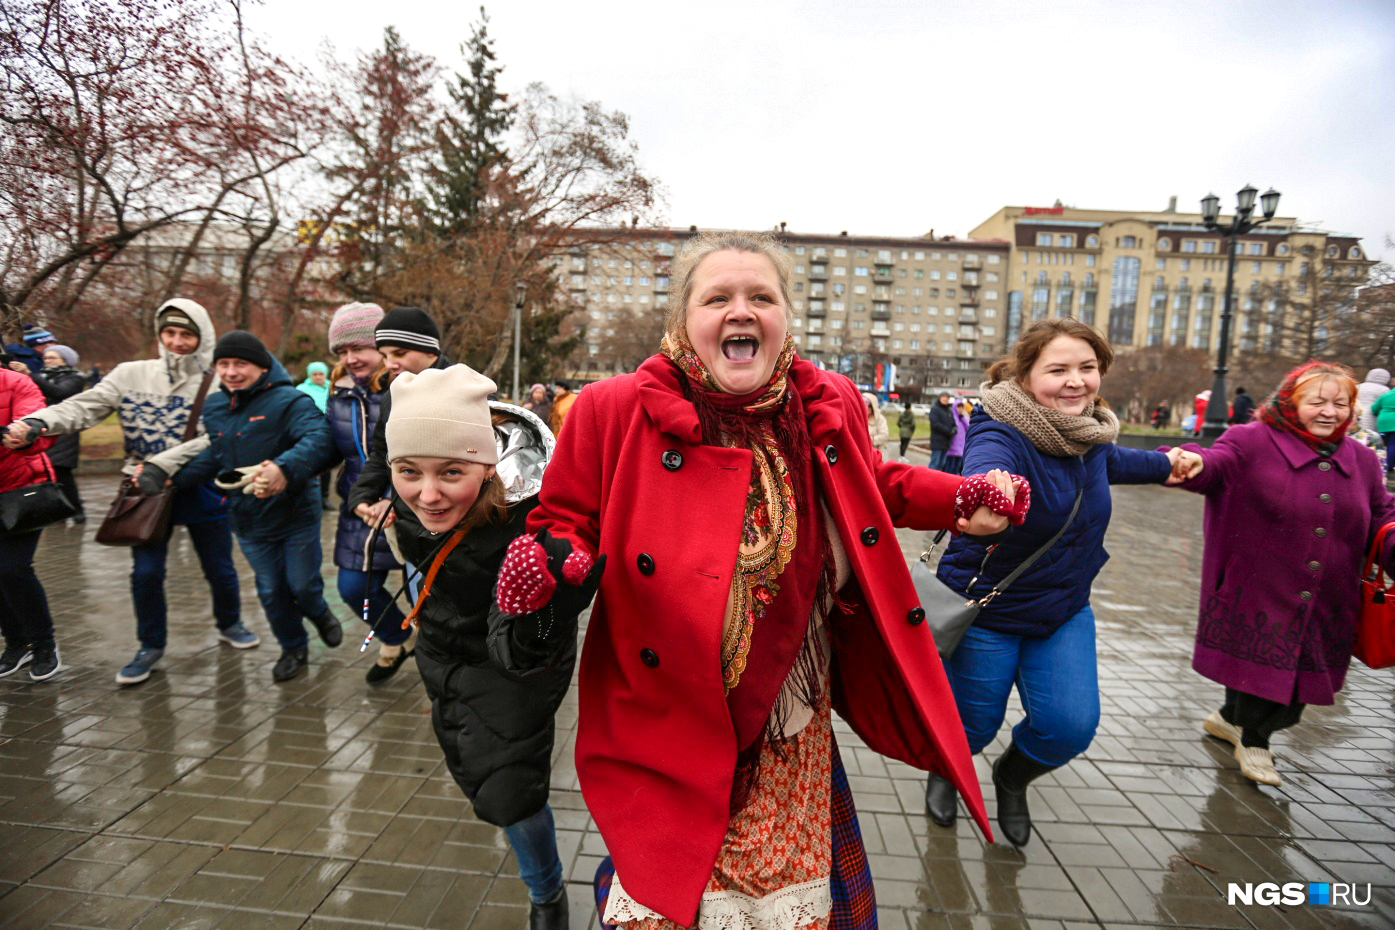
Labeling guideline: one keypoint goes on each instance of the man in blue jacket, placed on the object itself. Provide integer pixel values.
(267, 441)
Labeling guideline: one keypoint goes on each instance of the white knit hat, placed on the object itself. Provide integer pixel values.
(442, 413)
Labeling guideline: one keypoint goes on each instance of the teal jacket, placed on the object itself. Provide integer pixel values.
(1384, 411)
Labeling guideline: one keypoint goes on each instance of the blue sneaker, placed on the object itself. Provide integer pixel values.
(139, 668)
(239, 637)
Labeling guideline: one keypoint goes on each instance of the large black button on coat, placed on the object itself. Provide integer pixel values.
(673, 460)
(870, 536)
(649, 657)
(645, 562)
(831, 454)
(916, 617)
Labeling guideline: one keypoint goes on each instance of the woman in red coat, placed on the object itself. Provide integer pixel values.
(24, 616)
(754, 585)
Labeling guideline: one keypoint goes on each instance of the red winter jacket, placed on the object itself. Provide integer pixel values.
(655, 746)
(20, 397)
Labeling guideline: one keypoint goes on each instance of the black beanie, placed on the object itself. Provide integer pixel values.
(243, 345)
(408, 328)
(173, 316)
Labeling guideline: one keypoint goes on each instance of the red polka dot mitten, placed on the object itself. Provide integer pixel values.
(977, 491)
(525, 584)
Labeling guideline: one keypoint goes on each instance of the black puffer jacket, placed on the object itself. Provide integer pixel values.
(492, 702)
(57, 385)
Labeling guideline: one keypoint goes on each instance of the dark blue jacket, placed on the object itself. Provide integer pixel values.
(1057, 585)
(353, 416)
(269, 420)
(22, 353)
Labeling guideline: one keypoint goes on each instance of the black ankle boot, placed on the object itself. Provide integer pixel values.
(1013, 771)
(941, 800)
(550, 915)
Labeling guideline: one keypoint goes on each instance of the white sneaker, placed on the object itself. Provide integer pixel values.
(1257, 765)
(1217, 726)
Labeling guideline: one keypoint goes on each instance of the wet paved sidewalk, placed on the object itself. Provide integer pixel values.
(209, 797)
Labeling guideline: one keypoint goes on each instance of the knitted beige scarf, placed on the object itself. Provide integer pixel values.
(1050, 430)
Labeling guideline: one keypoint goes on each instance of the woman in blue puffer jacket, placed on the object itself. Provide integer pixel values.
(357, 386)
(1041, 418)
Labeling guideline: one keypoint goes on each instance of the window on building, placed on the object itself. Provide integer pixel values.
(1186, 264)
(1188, 245)
(1123, 299)
(1089, 261)
(860, 271)
(1066, 240)
(1044, 239)
(1209, 247)
(840, 271)
(1040, 298)
(990, 295)
(1255, 248)
(1282, 249)
(840, 253)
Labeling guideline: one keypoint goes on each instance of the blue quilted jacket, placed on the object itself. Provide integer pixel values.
(353, 416)
(1058, 584)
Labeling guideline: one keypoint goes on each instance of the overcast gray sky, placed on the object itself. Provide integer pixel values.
(891, 117)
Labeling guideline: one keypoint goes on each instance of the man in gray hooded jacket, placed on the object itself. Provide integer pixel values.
(152, 399)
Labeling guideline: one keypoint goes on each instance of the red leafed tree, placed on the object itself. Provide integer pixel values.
(126, 118)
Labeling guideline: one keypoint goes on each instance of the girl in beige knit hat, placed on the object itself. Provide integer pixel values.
(467, 472)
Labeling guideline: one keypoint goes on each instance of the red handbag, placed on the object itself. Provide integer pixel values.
(1375, 627)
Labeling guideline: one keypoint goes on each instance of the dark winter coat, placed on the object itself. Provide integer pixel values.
(906, 422)
(1242, 410)
(57, 385)
(353, 414)
(492, 705)
(268, 420)
(1286, 533)
(942, 426)
(1058, 584)
(376, 478)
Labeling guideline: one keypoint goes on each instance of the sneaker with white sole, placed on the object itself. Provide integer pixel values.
(139, 668)
(239, 637)
(46, 662)
(1257, 765)
(13, 659)
(1217, 726)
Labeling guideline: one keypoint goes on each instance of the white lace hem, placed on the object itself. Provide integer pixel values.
(787, 909)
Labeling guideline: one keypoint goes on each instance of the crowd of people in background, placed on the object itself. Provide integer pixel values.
(471, 532)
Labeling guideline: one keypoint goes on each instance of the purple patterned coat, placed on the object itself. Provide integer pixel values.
(1286, 533)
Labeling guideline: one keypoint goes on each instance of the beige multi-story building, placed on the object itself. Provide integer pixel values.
(1158, 279)
(932, 308)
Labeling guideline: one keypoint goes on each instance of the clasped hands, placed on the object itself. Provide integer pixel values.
(1186, 465)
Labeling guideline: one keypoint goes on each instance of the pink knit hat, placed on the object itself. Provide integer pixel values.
(352, 326)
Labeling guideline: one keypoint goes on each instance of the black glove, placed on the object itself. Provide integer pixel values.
(151, 479)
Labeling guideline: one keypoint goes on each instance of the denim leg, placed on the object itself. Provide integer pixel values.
(981, 673)
(213, 543)
(302, 558)
(1058, 682)
(24, 616)
(148, 591)
(267, 558)
(937, 459)
(1389, 449)
(534, 842)
(389, 624)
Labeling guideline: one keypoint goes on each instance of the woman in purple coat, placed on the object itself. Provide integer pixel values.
(954, 459)
(1291, 509)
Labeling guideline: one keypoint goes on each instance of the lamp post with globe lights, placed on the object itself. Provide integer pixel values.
(1244, 221)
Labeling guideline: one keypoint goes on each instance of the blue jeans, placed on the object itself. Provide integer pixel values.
(24, 616)
(351, 587)
(213, 543)
(534, 842)
(289, 585)
(1389, 449)
(937, 459)
(1056, 679)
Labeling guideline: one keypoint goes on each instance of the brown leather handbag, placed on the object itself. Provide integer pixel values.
(136, 518)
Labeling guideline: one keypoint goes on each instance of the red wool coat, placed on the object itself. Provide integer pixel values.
(655, 744)
(20, 397)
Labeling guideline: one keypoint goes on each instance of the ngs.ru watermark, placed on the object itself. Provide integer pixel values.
(1317, 894)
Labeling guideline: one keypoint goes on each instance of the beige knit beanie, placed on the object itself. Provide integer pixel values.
(443, 413)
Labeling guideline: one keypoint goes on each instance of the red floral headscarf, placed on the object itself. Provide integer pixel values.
(1280, 411)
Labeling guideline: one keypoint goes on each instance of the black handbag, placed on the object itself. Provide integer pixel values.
(949, 613)
(34, 506)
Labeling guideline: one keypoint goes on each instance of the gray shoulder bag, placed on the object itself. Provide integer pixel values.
(947, 612)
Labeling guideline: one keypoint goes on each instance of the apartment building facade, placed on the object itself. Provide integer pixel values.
(1158, 279)
(930, 310)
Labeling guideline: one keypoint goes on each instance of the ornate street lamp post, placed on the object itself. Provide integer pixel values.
(1217, 407)
(521, 291)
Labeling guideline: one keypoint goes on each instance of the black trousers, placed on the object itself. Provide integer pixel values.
(1258, 718)
(68, 483)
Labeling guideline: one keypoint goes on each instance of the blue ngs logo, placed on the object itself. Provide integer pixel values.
(1316, 894)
